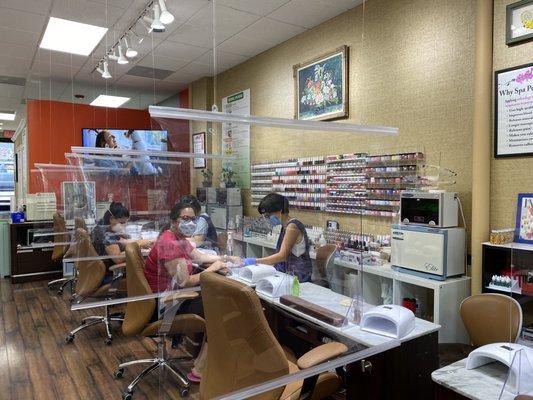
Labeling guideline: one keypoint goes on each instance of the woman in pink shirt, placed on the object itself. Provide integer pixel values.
(170, 264)
(172, 255)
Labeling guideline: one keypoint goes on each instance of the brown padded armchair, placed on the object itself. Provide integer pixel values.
(324, 255)
(491, 318)
(137, 322)
(243, 351)
(59, 250)
(90, 274)
(488, 318)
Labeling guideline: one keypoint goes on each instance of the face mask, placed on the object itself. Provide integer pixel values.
(187, 228)
(118, 228)
(274, 220)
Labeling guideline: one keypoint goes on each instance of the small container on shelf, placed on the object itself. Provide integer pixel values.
(501, 236)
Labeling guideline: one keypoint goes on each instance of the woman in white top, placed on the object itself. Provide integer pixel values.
(292, 249)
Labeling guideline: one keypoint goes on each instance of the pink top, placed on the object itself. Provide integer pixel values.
(168, 247)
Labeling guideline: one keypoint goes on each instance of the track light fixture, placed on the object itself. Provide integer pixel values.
(161, 17)
(155, 23)
(166, 17)
(130, 51)
(120, 59)
(104, 72)
(143, 23)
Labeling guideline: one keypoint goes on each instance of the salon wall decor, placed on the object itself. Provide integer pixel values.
(524, 218)
(321, 87)
(519, 26)
(513, 111)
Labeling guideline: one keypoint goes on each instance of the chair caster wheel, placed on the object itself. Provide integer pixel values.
(69, 339)
(108, 341)
(184, 392)
(127, 396)
(119, 373)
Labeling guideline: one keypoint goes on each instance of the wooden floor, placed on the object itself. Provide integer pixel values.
(36, 363)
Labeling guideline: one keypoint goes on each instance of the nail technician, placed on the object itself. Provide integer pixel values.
(292, 249)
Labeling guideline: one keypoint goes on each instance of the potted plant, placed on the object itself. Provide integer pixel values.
(208, 177)
(227, 177)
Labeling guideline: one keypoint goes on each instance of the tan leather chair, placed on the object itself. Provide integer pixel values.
(137, 322)
(90, 274)
(488, 318)
(324, 255)
(244, 352)
(59, 250)
(491, 318)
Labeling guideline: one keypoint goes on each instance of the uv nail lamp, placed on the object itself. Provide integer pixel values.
(518, 358)
(389, 320)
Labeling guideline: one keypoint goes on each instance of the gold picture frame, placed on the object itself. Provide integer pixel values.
(321, 87)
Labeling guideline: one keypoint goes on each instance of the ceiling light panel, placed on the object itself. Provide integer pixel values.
(71, 37)
(109, 101)
(7, 116)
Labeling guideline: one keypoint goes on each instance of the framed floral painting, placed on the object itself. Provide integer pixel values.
(321, 87)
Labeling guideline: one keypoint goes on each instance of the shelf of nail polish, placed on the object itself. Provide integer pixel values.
(342, 158)
(357, 196)
(340, 210)
(306, 179)
(395, 159)
(380, 213)
(296, 188)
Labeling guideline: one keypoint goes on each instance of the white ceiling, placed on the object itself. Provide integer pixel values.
(244, 28)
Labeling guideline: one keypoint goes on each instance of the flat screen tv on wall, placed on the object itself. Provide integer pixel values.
(129, 139)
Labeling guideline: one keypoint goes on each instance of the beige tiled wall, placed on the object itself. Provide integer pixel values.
(509, 176)
(411, 66)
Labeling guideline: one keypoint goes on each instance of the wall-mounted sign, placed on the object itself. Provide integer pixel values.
(236, 138)
(513, 113)
(198, 145)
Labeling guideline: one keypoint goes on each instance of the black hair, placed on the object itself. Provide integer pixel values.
(192, 202)
(100, 139)
(177, 208)
(273, 202)
(116, 210)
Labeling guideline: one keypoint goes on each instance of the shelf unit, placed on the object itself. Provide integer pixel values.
(441, 299)
(501, 259)
(346, 183)
(388, 175)
(355, 183)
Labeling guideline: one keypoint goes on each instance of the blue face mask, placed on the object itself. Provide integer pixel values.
(274, 220)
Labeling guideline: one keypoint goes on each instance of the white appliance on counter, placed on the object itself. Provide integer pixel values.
(436, 209)
(436, 253)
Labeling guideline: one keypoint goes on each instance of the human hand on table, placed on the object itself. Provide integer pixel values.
(249, 261)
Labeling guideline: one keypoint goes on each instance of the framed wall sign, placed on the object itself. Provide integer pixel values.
(519, 25)
(524, 218)
(198, 145)
(513, 111)
(321, 87)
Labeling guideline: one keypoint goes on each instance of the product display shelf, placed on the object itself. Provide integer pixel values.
(388, 175)
(303, 183)
(440, 299)
(346, 183)
(506, 260)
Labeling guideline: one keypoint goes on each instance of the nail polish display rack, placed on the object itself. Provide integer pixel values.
(358, 183)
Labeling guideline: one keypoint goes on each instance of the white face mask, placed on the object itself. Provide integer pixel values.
(187, 228)
(118, 228)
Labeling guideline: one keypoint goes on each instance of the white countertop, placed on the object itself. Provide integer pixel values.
(483, 383)
(326, 298)
(512, 245)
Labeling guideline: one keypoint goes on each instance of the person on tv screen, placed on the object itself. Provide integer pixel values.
(144, 165)
(105, 139)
